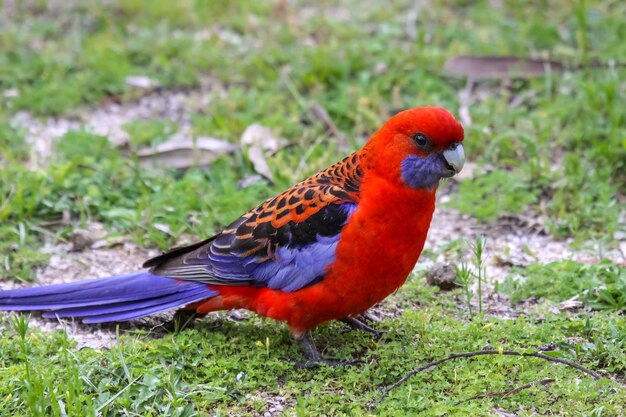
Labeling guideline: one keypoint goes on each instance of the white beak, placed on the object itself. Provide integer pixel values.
(455, 156)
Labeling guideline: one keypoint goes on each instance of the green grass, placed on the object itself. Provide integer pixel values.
(225, 369)
(559, 154)
(495, 193)
(601, 286)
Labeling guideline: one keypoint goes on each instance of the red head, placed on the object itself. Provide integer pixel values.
(416, 147)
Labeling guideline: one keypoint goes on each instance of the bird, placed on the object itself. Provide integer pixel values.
(328, 248)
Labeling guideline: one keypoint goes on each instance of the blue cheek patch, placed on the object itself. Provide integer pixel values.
(418, 172)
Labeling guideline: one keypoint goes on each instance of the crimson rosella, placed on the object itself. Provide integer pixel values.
(328, 248)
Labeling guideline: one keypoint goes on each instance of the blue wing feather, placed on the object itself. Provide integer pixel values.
(294, 256)
(297, 267)
(294, 266)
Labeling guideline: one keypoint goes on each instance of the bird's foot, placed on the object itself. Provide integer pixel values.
(315, 359)
(237, 315)
(369, 317)
(355, 323)
(183, 319)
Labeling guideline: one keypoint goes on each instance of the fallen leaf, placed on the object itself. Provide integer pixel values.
(185, 152)
(260, 142)
(10, 93)
(63, 221)
(380, 68)
(203, 35)
(109, 242)
(255, 154)
(571, 304)
(141, 81)
(410, 23)
(465, 101)
(320, 114)
(249, 180)
(502, 413)
(500, 67)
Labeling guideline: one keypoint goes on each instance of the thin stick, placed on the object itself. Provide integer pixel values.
(511, 391)
(408, 375)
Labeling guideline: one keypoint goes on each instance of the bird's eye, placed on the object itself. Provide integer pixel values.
(422, 141)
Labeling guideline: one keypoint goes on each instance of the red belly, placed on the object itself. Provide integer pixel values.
(379, 247)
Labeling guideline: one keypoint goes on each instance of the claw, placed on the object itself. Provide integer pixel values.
(360, 325)
(182, 319)
(315, 359)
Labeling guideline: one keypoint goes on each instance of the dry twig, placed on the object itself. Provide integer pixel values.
(408, 375)
(506, 393)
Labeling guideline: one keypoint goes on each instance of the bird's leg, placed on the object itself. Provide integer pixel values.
(183, 319)
(314, 356)
(361, 325)
(310, 350)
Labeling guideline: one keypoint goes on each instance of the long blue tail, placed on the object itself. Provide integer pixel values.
(118, 298)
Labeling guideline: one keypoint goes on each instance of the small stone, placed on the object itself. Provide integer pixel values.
(81, 240)
(443, 276)
(548, 347)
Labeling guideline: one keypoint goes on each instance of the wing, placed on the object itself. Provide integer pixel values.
(285, 243)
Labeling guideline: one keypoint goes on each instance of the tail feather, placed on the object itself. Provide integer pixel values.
(118, 298)
(98, 310)
(142, 312)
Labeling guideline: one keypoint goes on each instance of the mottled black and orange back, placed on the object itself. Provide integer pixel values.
(310, 214)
